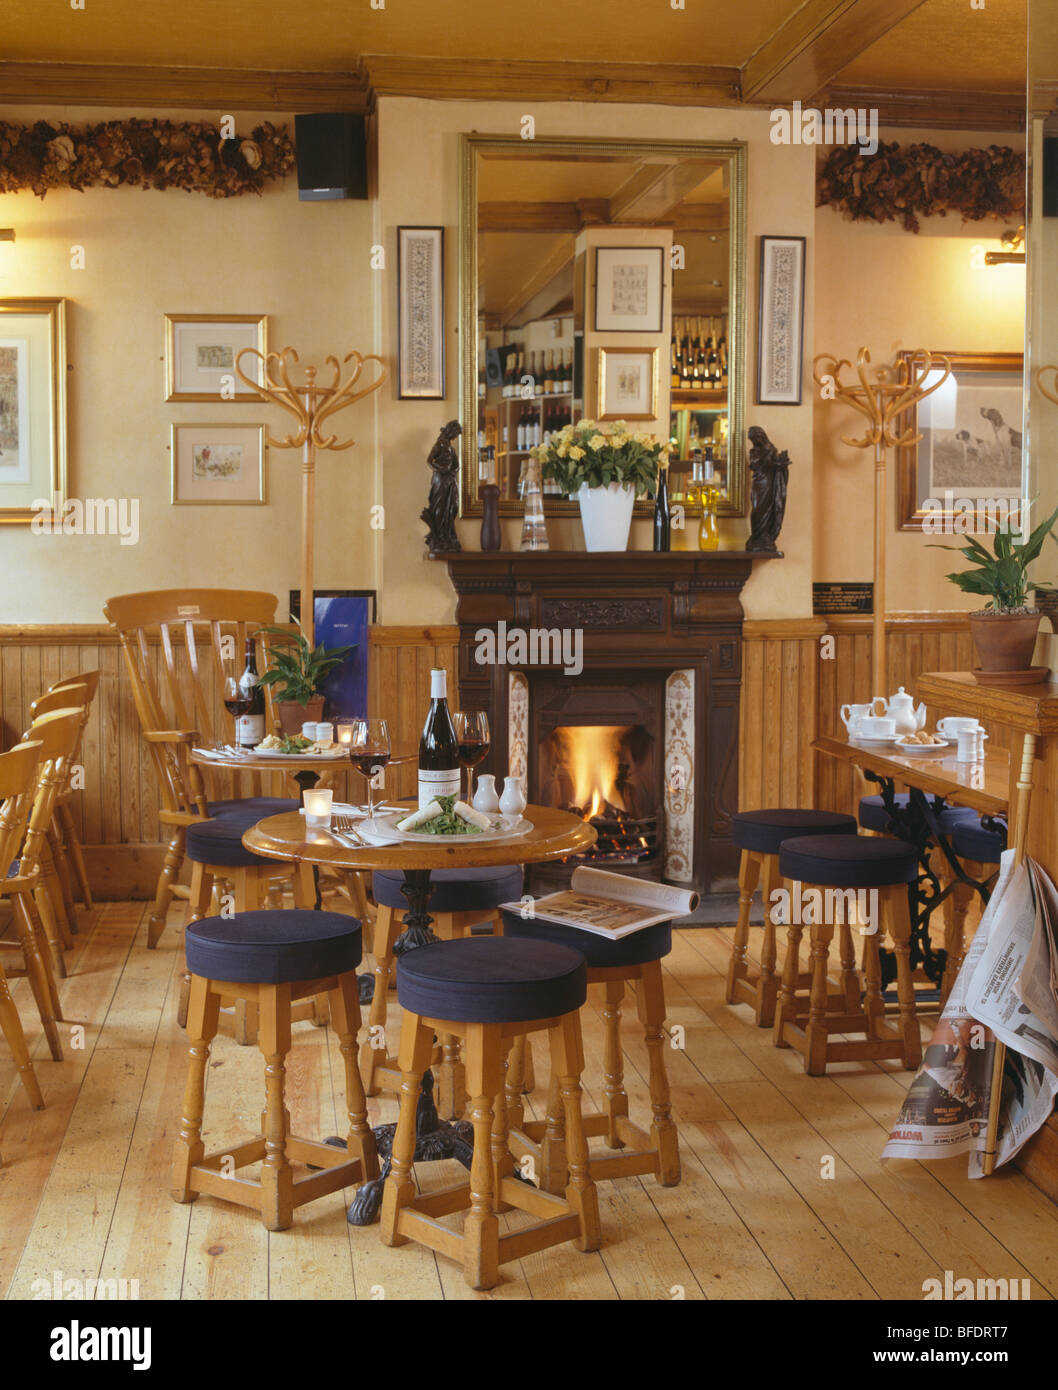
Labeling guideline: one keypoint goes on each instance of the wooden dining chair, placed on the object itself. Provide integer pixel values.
(57, 731)
(67, 697)
(66, 824)
(24, 800)
(177, 644)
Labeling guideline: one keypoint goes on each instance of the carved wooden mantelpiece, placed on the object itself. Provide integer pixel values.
(636, 611)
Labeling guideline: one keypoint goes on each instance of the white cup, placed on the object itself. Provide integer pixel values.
(876, 726)
(953, 726)
(318, 807)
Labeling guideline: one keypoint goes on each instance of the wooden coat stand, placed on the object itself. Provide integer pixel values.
(310, 404)
(884, 403)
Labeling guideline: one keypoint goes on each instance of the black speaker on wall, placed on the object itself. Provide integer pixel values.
(332, 156)
(1050, 176)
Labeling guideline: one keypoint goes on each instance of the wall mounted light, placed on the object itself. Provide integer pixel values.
(1013, 253)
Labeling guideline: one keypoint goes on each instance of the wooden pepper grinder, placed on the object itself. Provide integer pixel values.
(490, 518)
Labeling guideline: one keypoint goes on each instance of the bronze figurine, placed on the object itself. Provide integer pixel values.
(443, 506)
(770, 471)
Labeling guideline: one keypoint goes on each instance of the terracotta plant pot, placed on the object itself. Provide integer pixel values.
(1004, 642)
(292, 715)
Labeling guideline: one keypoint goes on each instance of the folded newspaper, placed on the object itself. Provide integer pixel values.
(607, 904)
(1006, 990)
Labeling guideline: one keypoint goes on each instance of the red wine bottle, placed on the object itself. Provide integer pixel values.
(438, 746)
(250, 729)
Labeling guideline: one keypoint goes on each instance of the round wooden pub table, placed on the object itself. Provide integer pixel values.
(554, 835)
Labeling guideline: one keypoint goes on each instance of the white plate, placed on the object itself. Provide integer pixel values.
(335, 753)
(923, 750)
(506, 828)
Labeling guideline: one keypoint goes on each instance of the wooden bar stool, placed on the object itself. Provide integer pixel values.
(272, 958)
(979, 850)
(459, 899)
(758, 834)
(489, 991)
(849, 863)
(636, 960)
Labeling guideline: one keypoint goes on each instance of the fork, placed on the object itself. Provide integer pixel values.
(344, 826)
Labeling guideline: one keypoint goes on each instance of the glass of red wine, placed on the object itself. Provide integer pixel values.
(472, 736)
(369, 752)
(237, 701)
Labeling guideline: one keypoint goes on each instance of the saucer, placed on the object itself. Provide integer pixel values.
(871, 742)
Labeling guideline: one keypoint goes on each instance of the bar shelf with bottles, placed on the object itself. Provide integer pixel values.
(698, 431)
(698, 360)
(536, 401)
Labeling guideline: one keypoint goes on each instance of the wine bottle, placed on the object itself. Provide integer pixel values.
(662, 517)
(685, 364)
(438, 747)
(521, 433)
(675, 366)
(250, 728)
(508, 376)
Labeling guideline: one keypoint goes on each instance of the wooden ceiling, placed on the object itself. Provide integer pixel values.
(937, 62)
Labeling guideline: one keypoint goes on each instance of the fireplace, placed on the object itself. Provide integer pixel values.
(638, 734)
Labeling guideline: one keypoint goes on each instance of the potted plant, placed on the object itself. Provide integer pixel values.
(295, 673)
(1004, 631)
(606, 467)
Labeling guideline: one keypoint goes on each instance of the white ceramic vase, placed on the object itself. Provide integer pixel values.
(606, 515)
(512, 800)
(485, 798)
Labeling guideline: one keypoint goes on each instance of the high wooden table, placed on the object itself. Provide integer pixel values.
(930, 782)
(554, 835)
(1032, 712)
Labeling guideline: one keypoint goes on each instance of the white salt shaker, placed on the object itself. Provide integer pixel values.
(512, 800)
(485, 798)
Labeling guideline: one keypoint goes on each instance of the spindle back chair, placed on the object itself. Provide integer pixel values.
(69, 857)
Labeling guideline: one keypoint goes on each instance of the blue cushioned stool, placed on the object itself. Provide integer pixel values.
(488, 991)
(874, 816)
(636, 960)
(216, 853)
(272, 958)
(758, 834)
(859, 883)
(979, 850)
(459, 899)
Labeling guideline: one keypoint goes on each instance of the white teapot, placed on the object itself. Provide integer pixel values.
(901, 709)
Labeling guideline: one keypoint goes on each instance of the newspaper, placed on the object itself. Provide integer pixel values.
(1006, 990)
(608, 904)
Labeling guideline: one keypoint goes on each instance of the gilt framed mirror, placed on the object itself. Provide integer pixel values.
(574, 251)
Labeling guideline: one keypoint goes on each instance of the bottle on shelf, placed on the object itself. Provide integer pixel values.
(675, 368)
(438, 749)
(549, 374)
(250, 727)
(520, 436)
(662, 515)
(508, 376)
(685, 364)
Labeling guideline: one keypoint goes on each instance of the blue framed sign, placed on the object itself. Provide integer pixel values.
(342, 619)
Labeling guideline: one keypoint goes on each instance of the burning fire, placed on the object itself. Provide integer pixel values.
(591, 758)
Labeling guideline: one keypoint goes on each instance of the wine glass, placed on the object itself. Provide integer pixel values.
(237, 700)
(369, 752)
(472, 736)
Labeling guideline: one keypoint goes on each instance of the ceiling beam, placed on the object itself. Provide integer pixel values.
(935, 110)
(223, 89)
(657, 187)
(553, 264)
(815, 44)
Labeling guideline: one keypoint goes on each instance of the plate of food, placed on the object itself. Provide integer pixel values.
(447, 820)
(922, 745)
(296, 746)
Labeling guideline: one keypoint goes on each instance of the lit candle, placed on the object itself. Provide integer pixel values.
(318, 807)
(345, 734)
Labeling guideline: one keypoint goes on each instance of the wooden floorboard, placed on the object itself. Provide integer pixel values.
(84, 1186)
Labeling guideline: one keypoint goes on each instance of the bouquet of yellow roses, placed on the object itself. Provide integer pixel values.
(601, 454)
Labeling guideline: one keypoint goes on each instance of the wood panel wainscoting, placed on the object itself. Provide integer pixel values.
(118, 809)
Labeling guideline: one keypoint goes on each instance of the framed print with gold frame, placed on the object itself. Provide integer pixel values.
(200, 352)
(628, 383)
(32, 409)
(217, 465)
(966, 470)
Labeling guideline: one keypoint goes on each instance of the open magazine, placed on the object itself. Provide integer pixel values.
(1006, 990)
(609, 904)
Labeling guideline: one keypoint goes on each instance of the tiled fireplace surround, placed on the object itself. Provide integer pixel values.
(676, 618)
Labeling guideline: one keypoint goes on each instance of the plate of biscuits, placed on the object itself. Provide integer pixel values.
(922, 744)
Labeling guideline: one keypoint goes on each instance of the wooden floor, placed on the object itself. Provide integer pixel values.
(84, 1186)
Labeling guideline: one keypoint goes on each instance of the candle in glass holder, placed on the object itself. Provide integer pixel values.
(344, 731)
(318, 808)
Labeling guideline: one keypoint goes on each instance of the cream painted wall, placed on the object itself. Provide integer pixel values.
(418, 184)
(881, 287)
(147, 254)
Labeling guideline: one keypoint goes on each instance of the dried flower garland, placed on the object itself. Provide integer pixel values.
(142, 153)
(922, 181)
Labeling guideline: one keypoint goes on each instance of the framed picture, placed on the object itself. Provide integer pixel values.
(965, 472)
(781, 320)
(421, 313)
(628, 383)
(628, 289)
(200, 353)
(214, 464)
(32, 409)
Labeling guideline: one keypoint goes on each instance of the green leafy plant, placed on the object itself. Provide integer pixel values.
(295, 669)
(1002, 576)
(599, 455)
